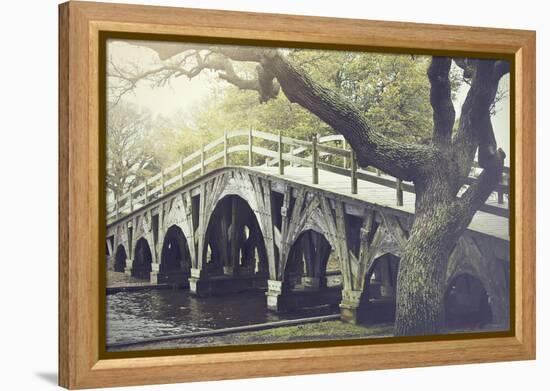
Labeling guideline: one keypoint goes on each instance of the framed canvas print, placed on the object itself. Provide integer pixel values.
(251, 195)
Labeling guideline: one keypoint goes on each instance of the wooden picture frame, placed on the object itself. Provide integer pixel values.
(81, 204)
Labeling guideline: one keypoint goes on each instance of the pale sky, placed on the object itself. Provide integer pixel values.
(500, 121)
(180, 94)
(185, 95)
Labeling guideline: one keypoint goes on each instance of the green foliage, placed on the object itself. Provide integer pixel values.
(392, 90)
(171, 138)
(238, 109)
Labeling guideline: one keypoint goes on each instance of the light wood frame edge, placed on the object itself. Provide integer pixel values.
(79, 364)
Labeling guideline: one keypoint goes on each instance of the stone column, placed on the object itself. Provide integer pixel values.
(274, 292)
(352, 307)
(110, 262)
(229, 270)
(128, 267)
(198, 284)
(154, 275)
(311, 282)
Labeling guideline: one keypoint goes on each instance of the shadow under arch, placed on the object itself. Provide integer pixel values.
(312, 275)
(310, 260)
(380, 291)
(234, 240)
(466, 303)
(143, 259)
(120, 259)
(175, 258)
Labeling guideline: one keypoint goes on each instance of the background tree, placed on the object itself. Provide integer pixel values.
(129, 156)
(437, 168)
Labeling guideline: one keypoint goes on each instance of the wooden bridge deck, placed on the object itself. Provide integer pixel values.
(374, 193)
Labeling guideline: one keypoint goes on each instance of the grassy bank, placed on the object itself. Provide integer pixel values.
(329, 330)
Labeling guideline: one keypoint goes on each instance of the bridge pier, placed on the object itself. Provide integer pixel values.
(128, 267)
(177, 277)
(353, 307)
(154, 275)
(202, 284)
(280, 299)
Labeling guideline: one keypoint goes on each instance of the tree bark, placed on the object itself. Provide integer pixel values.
(421, 276)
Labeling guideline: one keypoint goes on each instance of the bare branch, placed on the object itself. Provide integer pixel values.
(192, 64)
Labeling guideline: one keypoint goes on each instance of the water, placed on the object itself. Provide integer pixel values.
(134, 316)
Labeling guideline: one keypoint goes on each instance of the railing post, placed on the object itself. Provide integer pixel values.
(181, 171)
(378, 173)
(225, 146)
(117, 212)
(250, 162)
(399, 192)
(131, 200)
(344, 146)
(161, 181)
(202, 159)
(281, 163)
(353, 166)
(314, 157)
(146, 195)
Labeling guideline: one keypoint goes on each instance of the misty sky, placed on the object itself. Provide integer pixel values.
(185, 95)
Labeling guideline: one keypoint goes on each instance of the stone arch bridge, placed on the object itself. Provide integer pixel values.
(300, 220)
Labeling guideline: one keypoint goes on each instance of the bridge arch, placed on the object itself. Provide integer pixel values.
(175, 255)
(467, 259)
(234, 241)
(466, 302)
(311, 260)
(380, 291)
(120, 259)
(143, 259)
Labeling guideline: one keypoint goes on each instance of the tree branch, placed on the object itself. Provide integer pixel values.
(216, 59)
(440, 99)
(402, 160)
(475, 128)
(476, 195)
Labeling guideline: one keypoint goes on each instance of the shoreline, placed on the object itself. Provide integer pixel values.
(309, 332)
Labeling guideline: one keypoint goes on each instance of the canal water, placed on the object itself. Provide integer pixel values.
(138, 315)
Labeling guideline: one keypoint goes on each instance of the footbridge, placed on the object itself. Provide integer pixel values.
(300, 220)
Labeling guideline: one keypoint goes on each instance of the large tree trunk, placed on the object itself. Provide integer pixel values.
(440, 220)
(421, 278)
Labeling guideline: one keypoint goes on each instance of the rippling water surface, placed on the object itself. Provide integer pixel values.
(133, 316)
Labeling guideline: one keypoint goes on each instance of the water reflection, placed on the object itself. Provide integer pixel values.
(133, 316)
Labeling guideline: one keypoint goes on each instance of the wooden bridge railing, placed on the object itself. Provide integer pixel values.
(276, 150)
